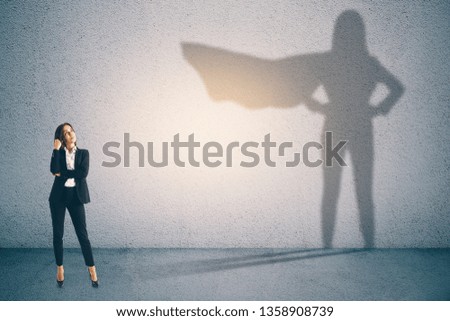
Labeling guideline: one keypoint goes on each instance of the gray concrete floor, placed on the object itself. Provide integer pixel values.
(230, 274)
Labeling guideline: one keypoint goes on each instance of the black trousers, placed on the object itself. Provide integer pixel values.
(78, 216)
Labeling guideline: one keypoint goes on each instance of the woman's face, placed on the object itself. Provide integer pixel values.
(69, 135)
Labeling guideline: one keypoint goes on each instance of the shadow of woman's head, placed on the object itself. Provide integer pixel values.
(349, 36)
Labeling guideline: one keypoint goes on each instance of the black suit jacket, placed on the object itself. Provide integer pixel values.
(58, 165)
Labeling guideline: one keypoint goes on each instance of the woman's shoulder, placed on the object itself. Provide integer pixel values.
(82, 151)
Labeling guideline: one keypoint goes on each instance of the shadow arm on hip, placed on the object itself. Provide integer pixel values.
(395, 88)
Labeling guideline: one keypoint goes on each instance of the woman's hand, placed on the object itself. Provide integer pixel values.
(57, 144)
(377, 111)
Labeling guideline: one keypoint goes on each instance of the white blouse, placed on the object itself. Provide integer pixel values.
(70, 162)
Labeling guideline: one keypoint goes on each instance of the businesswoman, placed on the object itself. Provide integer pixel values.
(70, 166)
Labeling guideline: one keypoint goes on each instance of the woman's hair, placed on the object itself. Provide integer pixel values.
(59, 133)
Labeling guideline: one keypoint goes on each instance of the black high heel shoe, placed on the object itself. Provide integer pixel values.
(94, 283)
(60, 283)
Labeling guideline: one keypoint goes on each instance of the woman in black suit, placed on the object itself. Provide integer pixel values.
(70, 166)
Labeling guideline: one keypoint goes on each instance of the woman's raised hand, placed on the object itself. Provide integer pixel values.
(57, 144)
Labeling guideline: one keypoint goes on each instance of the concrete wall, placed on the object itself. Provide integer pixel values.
(115, 67)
